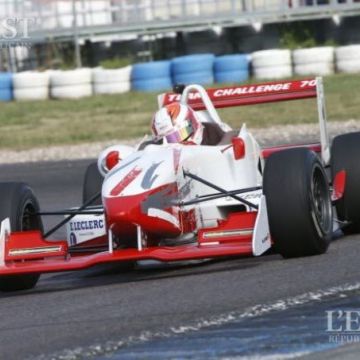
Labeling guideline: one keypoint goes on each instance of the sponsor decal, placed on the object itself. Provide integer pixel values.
(72, 239)
(254, 195)
(261, 89)
(126, 181)
(252, 90)
(86, 225)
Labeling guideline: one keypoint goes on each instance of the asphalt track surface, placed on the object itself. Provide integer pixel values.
(108, 303)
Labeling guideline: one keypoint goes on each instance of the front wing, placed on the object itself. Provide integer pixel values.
(242, 234)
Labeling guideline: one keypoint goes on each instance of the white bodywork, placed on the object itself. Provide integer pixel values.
(157, 166)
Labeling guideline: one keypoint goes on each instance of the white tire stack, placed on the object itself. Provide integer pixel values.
(31, 85)
(71, 84)
(112, 81)
(271, 64)
(314, 61)
(348, 59)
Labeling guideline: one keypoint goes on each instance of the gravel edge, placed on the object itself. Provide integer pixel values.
(275, 135)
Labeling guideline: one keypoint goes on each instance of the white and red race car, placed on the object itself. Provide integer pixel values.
(172, 202)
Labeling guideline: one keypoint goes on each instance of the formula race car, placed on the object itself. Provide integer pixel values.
(173, 201)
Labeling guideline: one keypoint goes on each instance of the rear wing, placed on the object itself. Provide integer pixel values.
(257, 94)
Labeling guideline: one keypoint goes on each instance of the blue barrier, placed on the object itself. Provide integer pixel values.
(235, 76)
(192, 64)
(149, 85)
(151, 70)
(231, 63)
(6, 93)
(202, 78)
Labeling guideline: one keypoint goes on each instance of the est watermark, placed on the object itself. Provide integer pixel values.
(343, 326)
(15, 31)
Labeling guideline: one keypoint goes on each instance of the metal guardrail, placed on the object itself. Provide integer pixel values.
(58, 18)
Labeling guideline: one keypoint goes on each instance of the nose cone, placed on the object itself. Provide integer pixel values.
(141, 191)
(154, 211)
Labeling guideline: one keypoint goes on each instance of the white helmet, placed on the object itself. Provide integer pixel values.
(176, 123)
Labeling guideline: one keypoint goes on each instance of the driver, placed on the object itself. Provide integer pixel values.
(179, 123)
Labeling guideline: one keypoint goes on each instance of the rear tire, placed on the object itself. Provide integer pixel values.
(345, 155)
(18, 203)
(298, 202)
(92, 183)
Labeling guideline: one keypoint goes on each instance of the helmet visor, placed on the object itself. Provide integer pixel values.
(179, 135)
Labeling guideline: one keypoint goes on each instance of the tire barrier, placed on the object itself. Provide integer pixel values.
(202, 78)
(231, 68)
(6, 92)
(31, 85)
(71, 91)
(111, 81)
(152, 76)
(348, 59)
(314, 61)
(271, 64)
(235, 76)
(71, 84)
(151, 70)
(193, 69)
(150, 85)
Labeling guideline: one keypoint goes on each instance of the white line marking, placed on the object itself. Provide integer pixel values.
(257, 310)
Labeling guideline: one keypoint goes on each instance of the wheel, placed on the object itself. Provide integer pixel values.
(298, 202)
(345, 155)
(19, 204)
(92, 183)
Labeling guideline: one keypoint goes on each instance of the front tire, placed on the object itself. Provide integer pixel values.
(345, 155)
(298, 202)
(19, 204)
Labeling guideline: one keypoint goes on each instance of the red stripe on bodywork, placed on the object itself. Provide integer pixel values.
(124, 211)
(126, 180)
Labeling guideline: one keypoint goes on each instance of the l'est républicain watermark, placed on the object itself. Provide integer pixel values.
(14, 32)
(343, 326)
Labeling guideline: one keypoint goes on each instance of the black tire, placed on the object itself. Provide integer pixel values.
(345, 155)
(92, 183)
(298, 202)
(18, 203)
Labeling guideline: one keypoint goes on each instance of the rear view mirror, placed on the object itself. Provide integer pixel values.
(238, 147)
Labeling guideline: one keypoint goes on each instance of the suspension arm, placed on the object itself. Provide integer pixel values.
(209, 197)
(226, 193)
(63, 222)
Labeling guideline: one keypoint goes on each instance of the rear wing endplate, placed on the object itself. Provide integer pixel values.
(260, 94)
